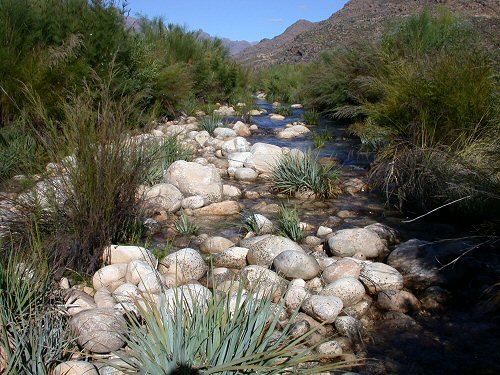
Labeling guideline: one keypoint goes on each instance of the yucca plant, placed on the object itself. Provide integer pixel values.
(296, 172)
(209, 123)
(218, 336)
(289, 223)
(185, 227)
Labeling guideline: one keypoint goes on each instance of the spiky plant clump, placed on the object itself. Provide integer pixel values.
(219, 336)
(289, 223)
(284, 110)
(185, 227)
(311, 117)
(320, 138)
(210, 123)
(297, 172)
(33, 337)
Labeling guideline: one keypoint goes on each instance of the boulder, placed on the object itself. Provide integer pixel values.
(347, 242)
(233, 257)
(78, 301)
(262, 224)
(263, 251)
(99, 330)
(137, 270)
(296, 265)
(216, 244)
(186, 264)
(401, 301)
(238, 144)
(293, 132)
(191, 295)
(225, 208)
(195, 179)
(277, 117)
(323, 308)
(162, 197)
(109, 275)
(115, 254)
(231, 192)
(104, 299)
(75, 368)
(238, 159)
(348, 289)
(263, 281)
(245, 174)
(345, 267)
(379, 276)
(242, 129)
(264, 157)
(194, 202)
(151, 283)
(224, 133)
(384, 232)
(126, 293)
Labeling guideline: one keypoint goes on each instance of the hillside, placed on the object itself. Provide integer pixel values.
(365, 19)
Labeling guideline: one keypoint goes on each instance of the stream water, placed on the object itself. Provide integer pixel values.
(462, 339)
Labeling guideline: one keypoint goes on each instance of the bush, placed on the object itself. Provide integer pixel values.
(280, 82)
(297, 172)
(218, 337)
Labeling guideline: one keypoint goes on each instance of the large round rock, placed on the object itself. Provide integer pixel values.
(323, 308)
(296, 265)
(347, 242)
(263, 251)
(342, 268)
(185, 265)
(99, 330)
(75, 368)
(263, 281)
(195, 179)
(380, 276)
(234, 257)
(348, 289)
(162, 197)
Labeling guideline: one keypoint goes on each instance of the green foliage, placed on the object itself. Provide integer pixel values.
(159, 153)
(284, 110)
(320, 138)
(311, 117)
(289, 223)
(185, 227)
(210, 123)
(297, 172)
(214, 338)
(280, 82)
(33, 333)
(427, 99)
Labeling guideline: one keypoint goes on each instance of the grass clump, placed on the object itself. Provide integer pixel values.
(284, 110)
(185, 227)
(302, 172)
(212, 335)
(210, 123)
(320, 138)
(311, 117)
(33, 334)
(289, 223)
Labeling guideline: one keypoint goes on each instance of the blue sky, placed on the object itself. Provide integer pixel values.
(250, 20)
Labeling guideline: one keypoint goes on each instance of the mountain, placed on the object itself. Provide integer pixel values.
(363, 19)
(234, 46)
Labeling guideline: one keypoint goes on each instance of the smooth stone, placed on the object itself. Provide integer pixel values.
(359, 309)
(238, 144)
(347, 326)
(323, 231)
(347, 242)
(342, 268)
(238, 159)
(75, 368)
(233, 257)
(323, 308)
(263, 224)
(99, 330)
(330, 349)
(245, 174)
(224, 133)
(137, 270)
(79, 301)
(104, 299)
(348, 289)
(401, 301)
(162, 197)
(185, 265)
(296, 265)
(435, 298)
(195, 179)
(114, 254)
(277, 117)
(380, 276)
(242, 129)
(225, 208)
(191, 295)
(109, 275)
(126, 293)
(264, 157)
(263, 281)
(196, 201)
(385, 232)
(231, 192)
(295, 296)
(263, 252)
(213, 245)
(151, 283)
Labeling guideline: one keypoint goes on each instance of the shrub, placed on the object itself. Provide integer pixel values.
(210, 123)
(290, 223)
(311, 117)
(297, 172)
(280, 82)
(219, 337)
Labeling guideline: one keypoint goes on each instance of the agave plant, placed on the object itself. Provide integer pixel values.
(219, 336)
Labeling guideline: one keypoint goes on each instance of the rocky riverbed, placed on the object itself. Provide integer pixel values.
(407, 306)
